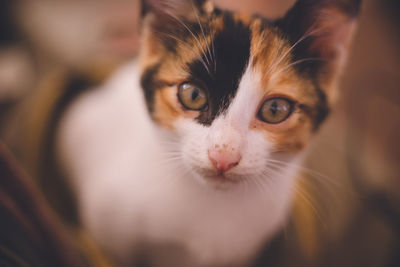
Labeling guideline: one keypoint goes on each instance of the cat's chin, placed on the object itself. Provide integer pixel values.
(221, 181)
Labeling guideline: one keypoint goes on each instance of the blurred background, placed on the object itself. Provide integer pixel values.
(358, 148)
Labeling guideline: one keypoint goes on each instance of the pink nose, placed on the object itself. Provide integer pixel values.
(224, 160)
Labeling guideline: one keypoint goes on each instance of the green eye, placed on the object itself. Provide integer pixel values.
(192, 97)
(275, 110)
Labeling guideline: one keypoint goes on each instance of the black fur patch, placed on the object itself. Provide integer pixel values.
(150, 85)
(301, 18)
(232, 52)
(322, 109)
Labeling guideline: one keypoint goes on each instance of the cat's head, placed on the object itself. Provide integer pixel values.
(244, 94)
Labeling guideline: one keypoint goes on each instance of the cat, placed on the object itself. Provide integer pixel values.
(187, 155)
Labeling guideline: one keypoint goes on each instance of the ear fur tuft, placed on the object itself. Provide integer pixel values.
(322, 29)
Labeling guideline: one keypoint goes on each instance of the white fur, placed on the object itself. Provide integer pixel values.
(138, 185)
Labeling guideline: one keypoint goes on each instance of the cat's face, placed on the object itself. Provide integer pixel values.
(242, 94)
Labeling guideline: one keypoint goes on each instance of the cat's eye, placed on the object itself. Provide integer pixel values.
(192, 96)
(275, 110)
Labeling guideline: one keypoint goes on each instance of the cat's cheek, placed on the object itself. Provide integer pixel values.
(254, 155)
(164, 112)
(193, 138)
(290, 136)
(167, 109)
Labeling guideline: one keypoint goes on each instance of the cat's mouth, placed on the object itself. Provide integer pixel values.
(218, 179)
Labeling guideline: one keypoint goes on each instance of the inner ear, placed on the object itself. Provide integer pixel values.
(321, 32)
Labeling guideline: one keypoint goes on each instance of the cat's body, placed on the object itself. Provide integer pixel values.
(188, 157)
(130, 195)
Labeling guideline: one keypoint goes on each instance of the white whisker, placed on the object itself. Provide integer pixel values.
(284, 56)
(308, 200)
(293, 64)
(194, 36)
(313, 173)
(190, 48)
(202, 30)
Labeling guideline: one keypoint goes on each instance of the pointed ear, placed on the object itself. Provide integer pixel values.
(322, 30)
(165, 22)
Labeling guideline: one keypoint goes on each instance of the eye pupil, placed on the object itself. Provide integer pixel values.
(192, 97)
(195, 94)
(275, 110)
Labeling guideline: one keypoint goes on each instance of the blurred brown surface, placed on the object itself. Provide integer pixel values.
(30, 234)
(359, 149)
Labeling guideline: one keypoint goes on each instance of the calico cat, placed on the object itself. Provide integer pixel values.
(187, 156)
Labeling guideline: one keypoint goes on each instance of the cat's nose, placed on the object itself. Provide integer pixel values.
(224, 159)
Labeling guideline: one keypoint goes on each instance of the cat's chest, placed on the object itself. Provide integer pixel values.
(156, 207)
(130, 195)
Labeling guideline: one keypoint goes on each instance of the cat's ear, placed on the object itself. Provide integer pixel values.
(165, 9)
(165, 23)
(322, 30)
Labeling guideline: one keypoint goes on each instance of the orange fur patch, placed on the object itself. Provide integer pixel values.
(272, 58)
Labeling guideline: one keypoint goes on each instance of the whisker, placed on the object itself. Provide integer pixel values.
(293, 64)
(301, 39)
(170, 160)
(308, 200)
(330, 192)
(202, 30)
(188, 46)
(312, 172)
(304, 195)
(213, 48)
(267, 185)
(191, 32)
(257, 183)
(171, 152)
